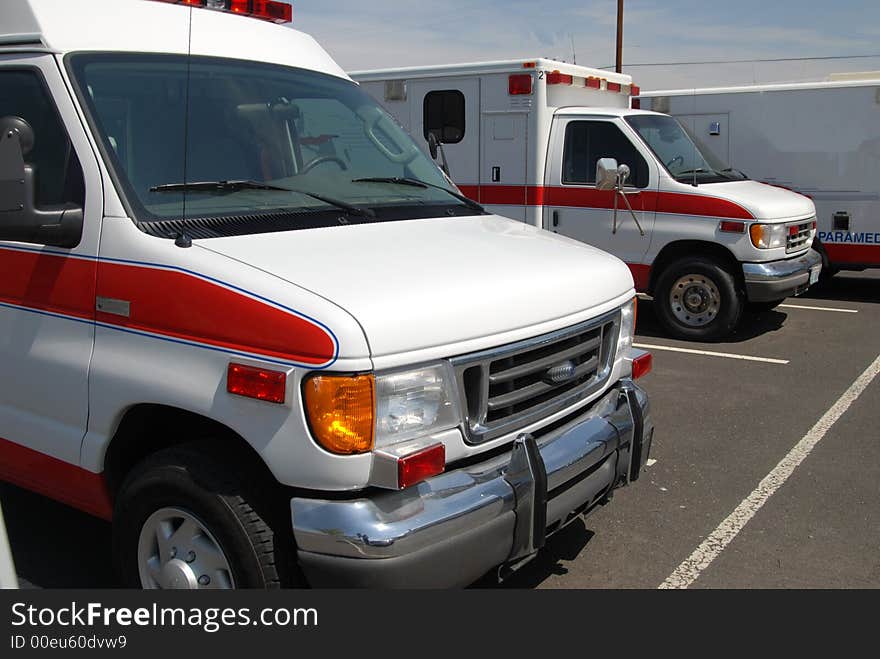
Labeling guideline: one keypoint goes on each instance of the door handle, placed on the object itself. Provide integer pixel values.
(555, 218)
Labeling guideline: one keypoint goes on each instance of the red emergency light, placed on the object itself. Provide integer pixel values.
(519, 84)
(593, 83)
(613, 86)
(557, 78)
(267, 10)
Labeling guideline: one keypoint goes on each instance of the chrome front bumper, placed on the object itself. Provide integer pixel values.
(777, 280)
(451, 529)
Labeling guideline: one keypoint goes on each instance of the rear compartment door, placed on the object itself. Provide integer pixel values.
(503, 163)
(450, 107)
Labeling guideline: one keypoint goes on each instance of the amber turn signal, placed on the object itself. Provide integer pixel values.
(340, 411)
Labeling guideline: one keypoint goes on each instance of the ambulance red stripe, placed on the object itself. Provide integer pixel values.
(189, 308)
(55, 479)
(647, 200)
(164, 302)
(853, 254)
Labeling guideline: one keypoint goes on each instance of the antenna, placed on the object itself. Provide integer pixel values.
(574, 58)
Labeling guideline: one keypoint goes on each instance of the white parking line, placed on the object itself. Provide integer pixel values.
(709, 353)
(688, 572)
(801, 306)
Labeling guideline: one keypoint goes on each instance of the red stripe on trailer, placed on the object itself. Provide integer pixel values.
(853, 254)
(55, 479)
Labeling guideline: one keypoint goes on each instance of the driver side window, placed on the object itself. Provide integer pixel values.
(588, 141)
(58, 176)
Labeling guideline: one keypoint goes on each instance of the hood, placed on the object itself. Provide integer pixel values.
(764, 202)
(420, 284)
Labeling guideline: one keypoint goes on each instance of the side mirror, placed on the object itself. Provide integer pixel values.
(433, 145)
(610, 175)
(606, 174)
(20, 220)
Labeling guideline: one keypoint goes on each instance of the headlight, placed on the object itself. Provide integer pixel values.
(628, 314)
(414, 403)
(768, 236)
(352, 414)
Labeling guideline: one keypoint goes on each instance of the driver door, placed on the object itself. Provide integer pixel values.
(578, 209)
(47, 294)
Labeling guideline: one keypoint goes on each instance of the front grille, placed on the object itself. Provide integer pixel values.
(800, 236)
(510, 387)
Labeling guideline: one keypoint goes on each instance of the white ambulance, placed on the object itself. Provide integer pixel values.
(821, 139)
(245, 317)
(557, 146)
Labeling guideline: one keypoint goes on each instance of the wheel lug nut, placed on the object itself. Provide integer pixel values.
(190, 557)
(204, 580)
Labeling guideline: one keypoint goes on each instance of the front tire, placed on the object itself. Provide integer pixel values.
(697, 299)
(184, 519)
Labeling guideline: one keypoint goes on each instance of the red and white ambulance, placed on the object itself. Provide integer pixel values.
(557, 146)
(247, 319)
(821, 139)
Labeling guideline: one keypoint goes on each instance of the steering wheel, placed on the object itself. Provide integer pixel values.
(322, 159)
(677, 159)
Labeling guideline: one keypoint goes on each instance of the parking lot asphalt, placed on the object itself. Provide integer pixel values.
(723, 425)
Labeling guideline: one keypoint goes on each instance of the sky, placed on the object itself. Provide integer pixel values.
(389, 33)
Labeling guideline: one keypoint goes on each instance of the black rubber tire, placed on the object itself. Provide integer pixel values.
(762, 307)
(731, 299)
(249, 527)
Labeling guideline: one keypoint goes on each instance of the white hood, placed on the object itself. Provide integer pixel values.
(764, 202)
(420, 284)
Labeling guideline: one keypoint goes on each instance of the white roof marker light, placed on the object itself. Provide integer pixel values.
(267, 10)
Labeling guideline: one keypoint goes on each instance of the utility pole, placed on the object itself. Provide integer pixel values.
(619, 67)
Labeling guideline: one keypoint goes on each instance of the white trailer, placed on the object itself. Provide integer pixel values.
(821, 139)
(557, 146)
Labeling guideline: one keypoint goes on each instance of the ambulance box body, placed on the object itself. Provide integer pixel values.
(528, 140)
(821, 139)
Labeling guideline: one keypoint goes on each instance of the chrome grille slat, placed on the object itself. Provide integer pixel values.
(801, 239)
(519, 395)
(543, 363)
(516, 385)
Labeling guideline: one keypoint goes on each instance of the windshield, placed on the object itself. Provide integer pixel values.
(300, 140)
(683, 156)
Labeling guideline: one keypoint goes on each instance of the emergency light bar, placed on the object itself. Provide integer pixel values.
(267, 10)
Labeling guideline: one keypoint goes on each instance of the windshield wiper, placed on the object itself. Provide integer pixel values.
(215, 186)
(734, 170)
(235, 186)
(415, 183)
(698, 170)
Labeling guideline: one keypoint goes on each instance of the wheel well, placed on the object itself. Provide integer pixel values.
(147, 429)
(677, 250)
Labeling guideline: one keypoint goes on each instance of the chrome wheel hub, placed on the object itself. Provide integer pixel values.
(695, 300)
(177, 552)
